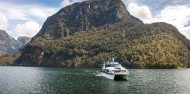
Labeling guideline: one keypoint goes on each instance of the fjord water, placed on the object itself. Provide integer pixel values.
(24, 80)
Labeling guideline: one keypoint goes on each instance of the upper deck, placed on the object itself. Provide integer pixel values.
(112, 64)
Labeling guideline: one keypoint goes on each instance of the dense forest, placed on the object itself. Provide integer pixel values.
(7, 59)
(157, 45)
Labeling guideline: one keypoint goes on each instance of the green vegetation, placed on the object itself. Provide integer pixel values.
(6, 60)
(157, 45)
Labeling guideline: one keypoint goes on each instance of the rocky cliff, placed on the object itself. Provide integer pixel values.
(99, 30)
(84, 16)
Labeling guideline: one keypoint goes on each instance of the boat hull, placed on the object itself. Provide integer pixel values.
(115, 76)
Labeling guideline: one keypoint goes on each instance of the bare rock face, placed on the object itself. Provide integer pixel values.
(84, 16)
(8, 45)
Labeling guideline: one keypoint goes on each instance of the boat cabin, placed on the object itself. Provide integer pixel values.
(112, 64)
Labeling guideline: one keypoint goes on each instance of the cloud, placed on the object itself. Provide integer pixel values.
(30, 14)
(126, 2)
(65, 3)
(26, 12)
(29, 28)
(186, 33)
(3, 22)
(41, 12)
(178, 15)
(26, 19)
(141, 12)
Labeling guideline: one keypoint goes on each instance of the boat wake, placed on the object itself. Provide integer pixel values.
(98, 73)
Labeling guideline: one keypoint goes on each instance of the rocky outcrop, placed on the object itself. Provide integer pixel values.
(23, 40)
(84, 16)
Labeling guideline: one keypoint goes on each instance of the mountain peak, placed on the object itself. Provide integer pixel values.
(84, 16)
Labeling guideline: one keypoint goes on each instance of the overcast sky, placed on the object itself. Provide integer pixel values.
(26, 17)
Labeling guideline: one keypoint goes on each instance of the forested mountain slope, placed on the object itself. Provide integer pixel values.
(89, 33)
(157, 45)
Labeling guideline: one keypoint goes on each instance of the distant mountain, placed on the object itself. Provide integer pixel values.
(8, 45)
(23, 40)
(89, 33)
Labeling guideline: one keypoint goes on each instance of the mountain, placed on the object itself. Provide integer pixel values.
(8, 45)
(89, 33)
(23, 40)
(84, 16)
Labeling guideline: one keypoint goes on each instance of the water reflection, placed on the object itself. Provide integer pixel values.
(160, 81)
(22, 80)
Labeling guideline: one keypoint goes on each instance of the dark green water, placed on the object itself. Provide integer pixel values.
(30, 80)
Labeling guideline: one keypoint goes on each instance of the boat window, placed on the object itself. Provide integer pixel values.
(116, 65)
(108, 66)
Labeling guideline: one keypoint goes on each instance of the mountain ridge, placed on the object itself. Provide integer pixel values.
(83, 16)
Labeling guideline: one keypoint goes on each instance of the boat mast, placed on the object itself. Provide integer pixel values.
(113, 59)
(104, 66)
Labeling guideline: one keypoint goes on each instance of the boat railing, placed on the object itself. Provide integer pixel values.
(119, 71)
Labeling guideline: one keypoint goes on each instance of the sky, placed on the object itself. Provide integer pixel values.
(26, 17)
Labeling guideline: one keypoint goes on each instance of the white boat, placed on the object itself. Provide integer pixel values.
(113, 70)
